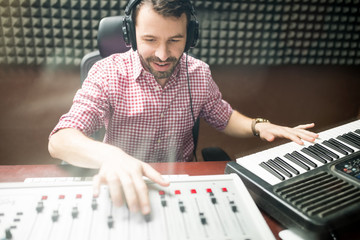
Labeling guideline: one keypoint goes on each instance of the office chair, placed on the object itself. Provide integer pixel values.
(110, 40)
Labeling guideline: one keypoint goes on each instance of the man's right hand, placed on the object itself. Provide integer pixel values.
(124, 176)
(121, 172)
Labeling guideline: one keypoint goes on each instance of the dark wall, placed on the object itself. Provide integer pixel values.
(231, 32)
(292, 62)
(287, 95)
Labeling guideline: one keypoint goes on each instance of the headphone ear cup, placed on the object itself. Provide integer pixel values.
(192, 35)
(129, 34)
(125, 32)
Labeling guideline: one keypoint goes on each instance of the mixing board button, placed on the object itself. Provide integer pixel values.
(94, 204)
(8, 234)
(55, 216)
(110, 221)
(40, 206)
(75, 212)
(181, 206)
(202, 218)
(233, 206)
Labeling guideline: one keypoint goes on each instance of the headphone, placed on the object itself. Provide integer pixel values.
(129, 34)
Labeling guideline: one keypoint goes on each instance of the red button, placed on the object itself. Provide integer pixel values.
(208, 190)
(78, 196)
(162, 192)
(193, 190)
(224, 189)
(177, 192)
(61, 196)
(44, 197)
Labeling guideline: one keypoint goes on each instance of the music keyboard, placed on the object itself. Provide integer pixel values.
(314, 190)
(288, 160)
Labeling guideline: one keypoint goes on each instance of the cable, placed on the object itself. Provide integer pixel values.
(191, 107)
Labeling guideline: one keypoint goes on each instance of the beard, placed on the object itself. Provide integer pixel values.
(173, 61)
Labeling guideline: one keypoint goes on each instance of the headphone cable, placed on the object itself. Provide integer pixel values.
(191, 108)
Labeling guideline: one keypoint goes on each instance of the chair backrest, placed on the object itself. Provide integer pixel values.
(110, 40)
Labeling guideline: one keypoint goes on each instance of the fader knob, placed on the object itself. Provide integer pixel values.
(8, 234)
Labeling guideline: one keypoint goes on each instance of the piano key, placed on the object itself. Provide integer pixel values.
(334, 147)
(353, 137)
(273, 164)
(341, 145)
(297, 161)
(312, 154)
(272, 171)
(327, 151)
(345, 139)
(327, 140)
(287, 166)
(320, 153)
(304, 159)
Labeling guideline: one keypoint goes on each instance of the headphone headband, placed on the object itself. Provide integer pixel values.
(129, 33)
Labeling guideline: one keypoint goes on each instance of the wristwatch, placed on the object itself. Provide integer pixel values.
(254, 122)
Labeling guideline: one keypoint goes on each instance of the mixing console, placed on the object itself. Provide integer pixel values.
(192, 207)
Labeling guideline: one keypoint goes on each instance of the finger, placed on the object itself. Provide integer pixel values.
(115, 189)
(305, 126)
(130, 193)
(142, 194)
(307, 135)
(96, 185)
(154, 175)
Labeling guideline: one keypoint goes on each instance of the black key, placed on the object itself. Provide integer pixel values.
(304, 159)
(287, 166)
(320, 153)
(279, 168)
(313, 155)
(272, 171)
(357, 131)
(327, 151)
(344, 138)
(297, 162)
(334, 147)
(341, 145)
(353, 138)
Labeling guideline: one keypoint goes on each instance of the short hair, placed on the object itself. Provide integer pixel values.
(167, 8)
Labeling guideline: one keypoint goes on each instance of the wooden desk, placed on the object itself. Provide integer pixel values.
(16, 173)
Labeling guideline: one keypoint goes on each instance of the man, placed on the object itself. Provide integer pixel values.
(142, 97)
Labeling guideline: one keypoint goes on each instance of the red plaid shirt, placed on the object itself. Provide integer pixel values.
(145, 120)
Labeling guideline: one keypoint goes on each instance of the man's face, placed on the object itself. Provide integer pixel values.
(160, 41)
